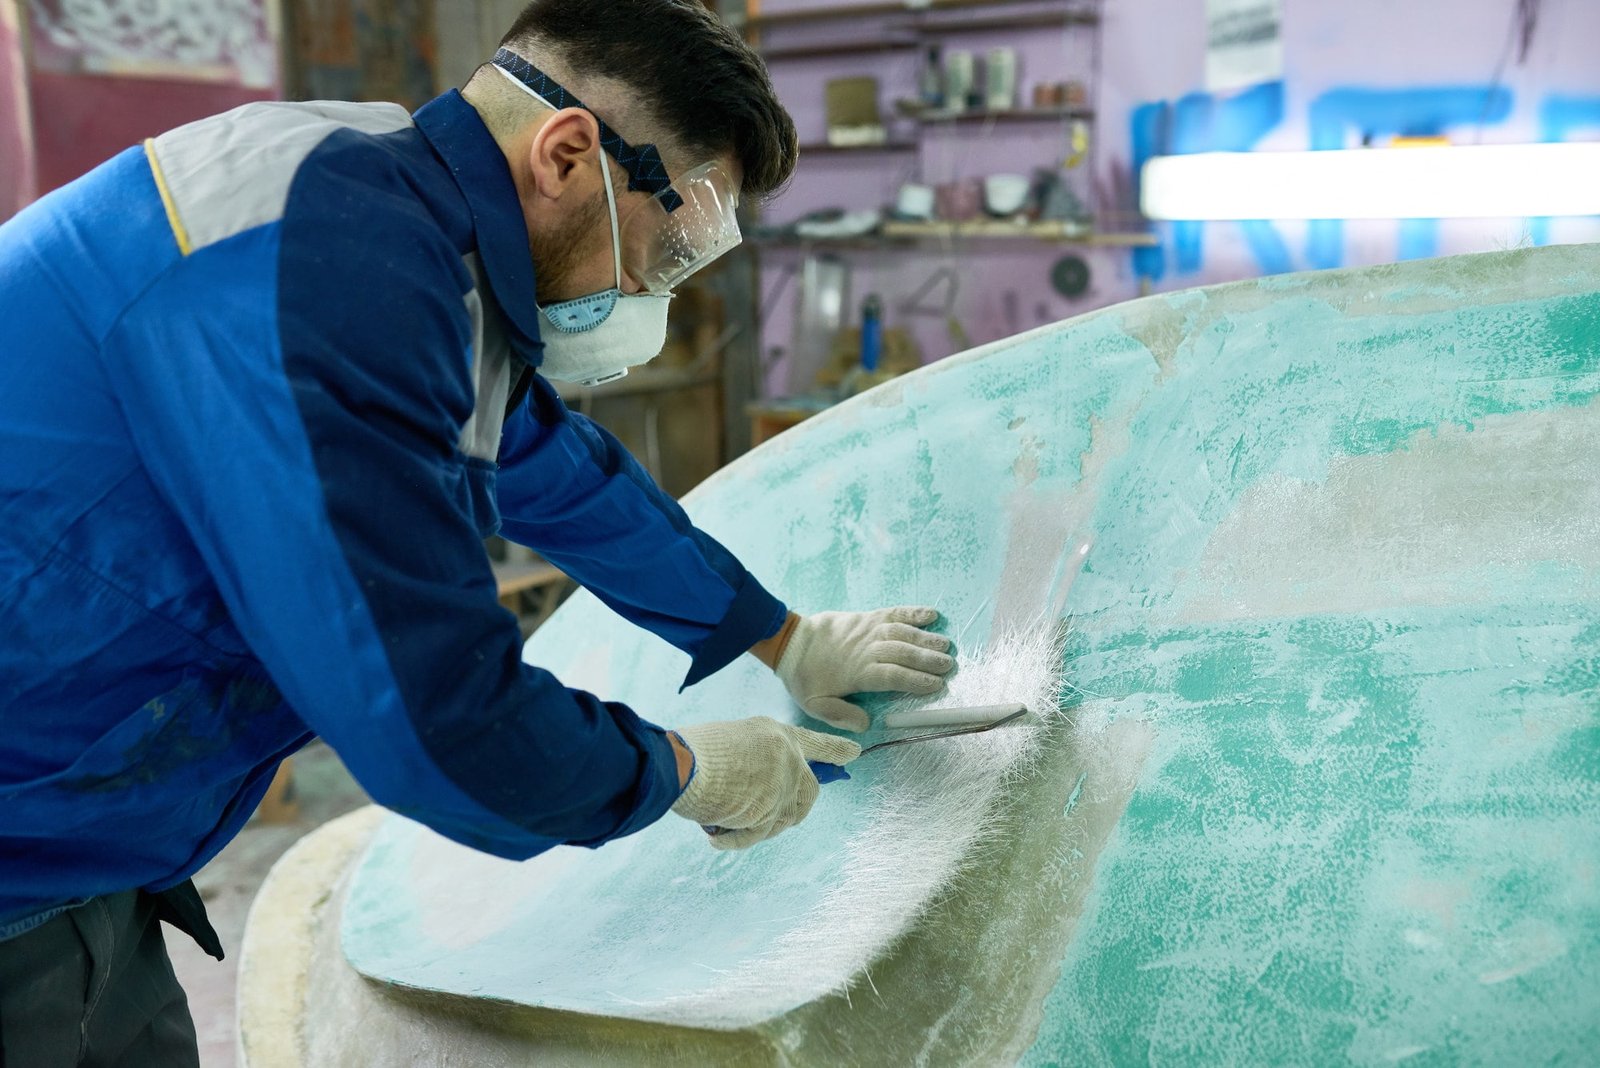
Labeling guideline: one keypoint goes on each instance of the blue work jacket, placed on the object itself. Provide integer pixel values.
(259, 406)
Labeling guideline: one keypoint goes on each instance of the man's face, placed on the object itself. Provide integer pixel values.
(572, 254)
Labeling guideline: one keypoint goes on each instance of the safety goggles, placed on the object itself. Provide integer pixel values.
(662, 246)
(688, 222)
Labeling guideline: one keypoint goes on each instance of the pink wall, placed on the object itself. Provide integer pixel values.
(16, 142)
(81, 120)
(84, 95)
(1154, 51)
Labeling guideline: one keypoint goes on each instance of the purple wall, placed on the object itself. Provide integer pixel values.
(1415, 52)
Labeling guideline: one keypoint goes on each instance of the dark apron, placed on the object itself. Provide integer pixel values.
(182, 908)
(93, 986)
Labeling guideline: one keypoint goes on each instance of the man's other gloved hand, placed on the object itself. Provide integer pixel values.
(833, 654)
(750, 777)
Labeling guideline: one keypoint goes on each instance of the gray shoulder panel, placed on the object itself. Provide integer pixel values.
(231, 172)
(493, 368)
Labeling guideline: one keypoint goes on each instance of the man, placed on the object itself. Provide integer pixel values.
(266, 383)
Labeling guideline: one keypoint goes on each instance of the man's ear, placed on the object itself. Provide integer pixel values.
(562, 154)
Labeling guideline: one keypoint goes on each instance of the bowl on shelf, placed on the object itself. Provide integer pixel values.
(915, 202)
(1006, 194)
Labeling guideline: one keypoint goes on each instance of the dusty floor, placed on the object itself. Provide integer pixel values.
(228, 884)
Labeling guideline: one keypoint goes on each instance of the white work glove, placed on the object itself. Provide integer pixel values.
(750, 779)
(834, 654)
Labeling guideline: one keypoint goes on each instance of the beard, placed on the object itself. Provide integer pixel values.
(560, 252)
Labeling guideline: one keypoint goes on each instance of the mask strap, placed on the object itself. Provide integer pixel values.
(611, 207)
(518, 82)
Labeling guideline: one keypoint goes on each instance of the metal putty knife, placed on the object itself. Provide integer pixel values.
(959, 721)
(973, 720)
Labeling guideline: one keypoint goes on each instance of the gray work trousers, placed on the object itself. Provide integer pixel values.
(93, 988)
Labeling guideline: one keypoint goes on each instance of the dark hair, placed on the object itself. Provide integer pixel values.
(708, 85)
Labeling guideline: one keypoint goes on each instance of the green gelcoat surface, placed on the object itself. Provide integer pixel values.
(1329, 788)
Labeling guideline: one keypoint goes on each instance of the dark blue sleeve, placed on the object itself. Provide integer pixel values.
(568, 489)
(297, 393)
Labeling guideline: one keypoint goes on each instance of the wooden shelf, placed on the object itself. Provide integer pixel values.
(822, 148)
(640, 380)
(1124, 239)
(1065, 232)
(895, 234)
(859, 11)
(1004, 115)
(822, 51)
(1051, 20)
(860, 243)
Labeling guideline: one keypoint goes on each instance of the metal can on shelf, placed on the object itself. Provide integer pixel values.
(959, 79)
(1000, 79)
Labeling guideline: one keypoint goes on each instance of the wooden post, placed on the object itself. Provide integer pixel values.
(280, 805)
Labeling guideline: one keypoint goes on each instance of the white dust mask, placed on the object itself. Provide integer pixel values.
(595, 339)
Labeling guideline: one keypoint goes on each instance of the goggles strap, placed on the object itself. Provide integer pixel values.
(646, 172)
(605, 171)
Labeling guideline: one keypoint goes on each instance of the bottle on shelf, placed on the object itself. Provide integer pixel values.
(866, 373)
(960, 80)
(931, 84)
(871, 333)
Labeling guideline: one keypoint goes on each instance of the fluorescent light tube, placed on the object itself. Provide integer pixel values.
(1459, 182)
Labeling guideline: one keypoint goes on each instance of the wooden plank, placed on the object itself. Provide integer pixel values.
(280, 804)
(768, 423)
(514, 578)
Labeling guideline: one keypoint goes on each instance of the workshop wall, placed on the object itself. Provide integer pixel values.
(362, 50)
(104, 76)
(1428, 67)
(1446, 67)
(1450, 67)
(78, 83)
(16, 140)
